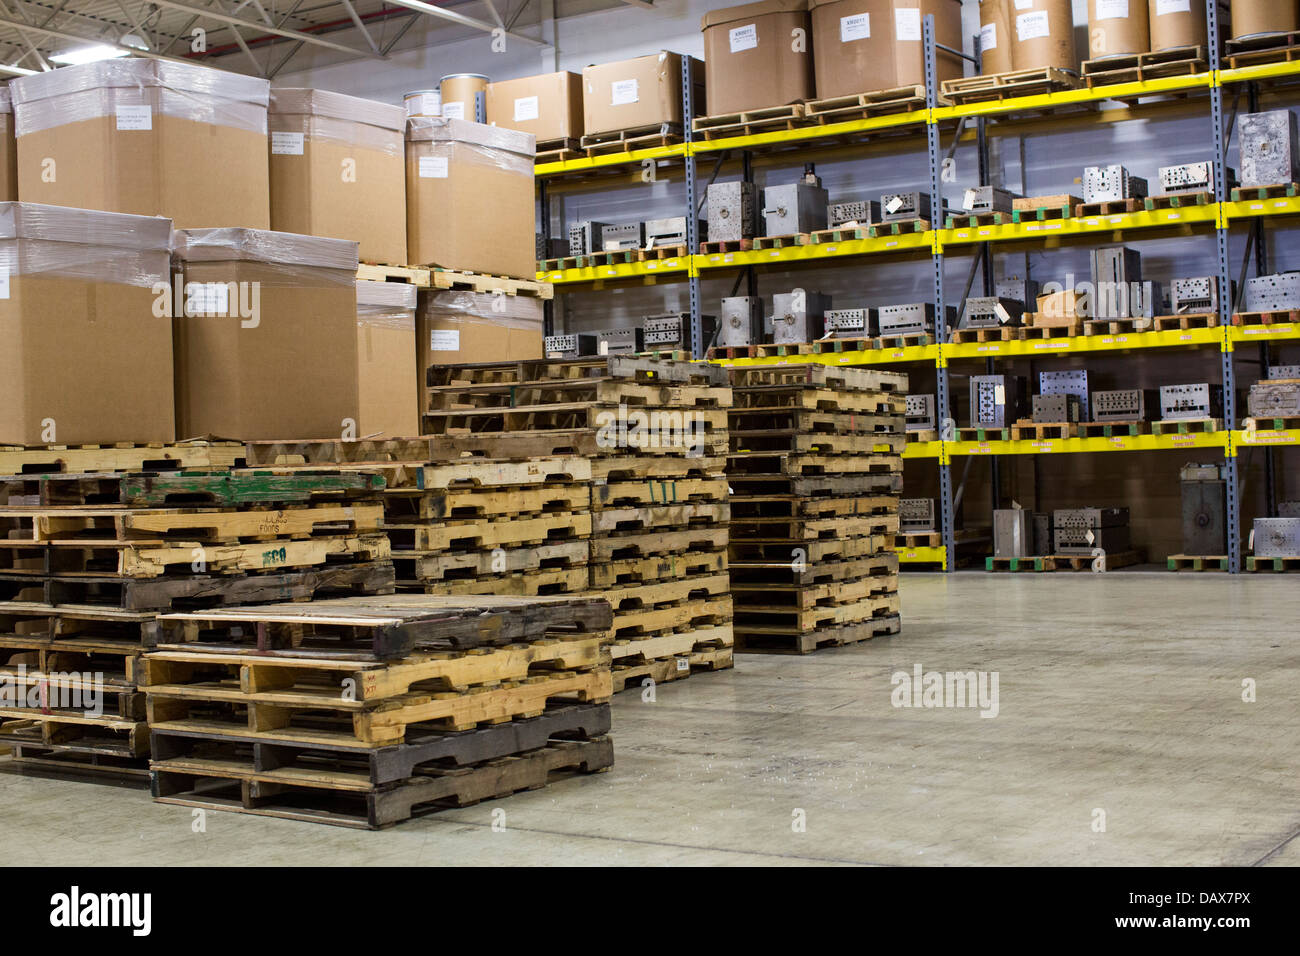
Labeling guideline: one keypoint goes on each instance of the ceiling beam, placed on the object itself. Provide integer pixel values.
(83, 38)
(210, 13)
(444, 14)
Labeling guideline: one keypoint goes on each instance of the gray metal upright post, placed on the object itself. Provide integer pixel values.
(1221, 236)
(942, 410)
(692, 205)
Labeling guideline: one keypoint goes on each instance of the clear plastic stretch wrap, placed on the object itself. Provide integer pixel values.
(497, 146)
(74, 94)
(386, 304)
(508, 311)
(83, 244)
(6, 100)
(322, 116)
(338, 257)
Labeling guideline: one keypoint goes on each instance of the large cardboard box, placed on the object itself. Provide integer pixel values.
(87, 355)
(453, 328)
(909, 50)
(388, 386)
(8, 149)
(1118, 28)
(643, 91)
(854, 44)
(266, 344)
(148, 137)
(470, 202)
(758, 55)
(548, 106)
(338, 170)
(1042, 35)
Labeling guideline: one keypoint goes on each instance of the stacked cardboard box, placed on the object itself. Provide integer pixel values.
(8, 149)
(389, 389)
(89, 559)
(446, 701)
(549, 107)
(457, 327)
(815, 472)
(654, 433)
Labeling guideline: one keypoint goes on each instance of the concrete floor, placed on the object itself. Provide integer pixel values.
(1118, 692)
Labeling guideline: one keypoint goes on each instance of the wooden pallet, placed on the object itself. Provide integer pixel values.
(224, 489)
(759, 641)
(1261, 193)
(838, 234)
(1256, 564)
(1042, 431)
(780, 242)
(1263, 48)
(1186, 426)
(984, 434)
(906, 227)
(1001, 86)
(1139, 67)
(193, 455)
(1277, 424)
(999, 334)
(1178, 200)
(1185, 321)
(654, 136)
(672, 646)
(1033, 331)
(612, 257)
(923, 435)
(752, 553)
(969, 221)
(1266, 318)
(541, 583)
(723, 246)
(557, 150)
(648, 569)
(663, 252)
(1116, 326)
(440, 278)
(1187, 562)
(84, 761)
(340, 799)
(639, 676)
(749, 122)
(621, 494)
(910, 340)
(1114, 207)
(812, 376)
(1064, 562)
(1044, 208)
(1112, 429)
(840, 109)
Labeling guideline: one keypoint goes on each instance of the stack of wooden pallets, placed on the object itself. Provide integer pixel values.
(365, 711)
(89, 558)
(653, 431)
(815, 472)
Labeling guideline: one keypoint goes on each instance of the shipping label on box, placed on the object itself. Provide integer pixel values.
(743, 38)
(855, 28)
(286, 144)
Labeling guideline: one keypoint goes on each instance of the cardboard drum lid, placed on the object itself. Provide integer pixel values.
(854, 45)
(1042, 34)
(758, 55)
(1253, 17)
(1117, 28)
(1177, 23)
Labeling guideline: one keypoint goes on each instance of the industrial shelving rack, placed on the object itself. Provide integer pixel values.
(1217, 218)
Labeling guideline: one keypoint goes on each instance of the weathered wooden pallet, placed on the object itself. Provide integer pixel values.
(418, 566)
(768, 464)
(1000, 86)
(837, 234)
(817, 375)
(817, 553)
(1041, 431)
(187, 489)
(812, 485)
(305, 719)
(636, 623)
(1263, 48)
(749, 420)
(643, 519)
(1178, 200)
(655, 135)
(758, 640)
(752, 573)
(841, 109)
(1113, 207)
(544, 582)
(909, 340)
(90, 759)
(1186, 426)
(74, 731)
(984, 434)
(905, 227)
(1254, 564)
(628, 572)
(624, 547)
(973, 221)
(198, 590)
(1112, 429)
(1139, 67)
(1186, 320)
(717, 247)
(772, 598)
(1044, 208)
(749, 122)
(922, 435)
(321, 796)
(1188, 562)
(462, 504)
(602, 393)
(195, 455)
(781, 507)
(1266, 318)
(998, 334)
(1065, 562)
(800, 528)
(629, 368)
(644, 674)
(380, 628)
(818, 443)
(674, 645)
(440, 278)
(1261, 193)
(488, 534)
(773, 618)
(618, 494)
(638, 467)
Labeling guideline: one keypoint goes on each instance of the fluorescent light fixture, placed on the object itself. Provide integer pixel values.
(134, 42)
(90, 54)
(16, 70)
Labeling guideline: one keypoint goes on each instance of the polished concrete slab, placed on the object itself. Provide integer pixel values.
(1121, 737)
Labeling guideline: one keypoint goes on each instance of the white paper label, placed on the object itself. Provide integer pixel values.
(743, 38)
(1164, 7)
(968, 198)
(207, 298)
(988, 37)
(135, 117)
(444, 340)
(1112, 9)
(623, 92)
(1024, 4)
(4, 282)
(424, 104)
(433, 167)
(907, 24)
(1031, 26)
(526, 108)
(286, 144)
(855, 28)
(683, 664)
(893, 205)
(454, 109)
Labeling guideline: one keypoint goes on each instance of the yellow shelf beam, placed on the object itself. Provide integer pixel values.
(1266, 438)
(805, 134)
(1034, 231)
(1257, 208)
(1087, 343)
(1053, 101)
(678, 267)
(586, 164)
(1263, 71)
(1256, 334)
(1079, 446)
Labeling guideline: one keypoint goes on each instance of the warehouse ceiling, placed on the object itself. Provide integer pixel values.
(259, 37)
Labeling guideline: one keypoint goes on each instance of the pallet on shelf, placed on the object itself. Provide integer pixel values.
(906, 227)
(981, 434)
(1066, 562)
(1261, 193)
(1042, 431)
(1140, 67)
(1013, 83)
(1117, 326)
(654, 136)
(780, 242)
(1262, 48)
(1113, 429)
(1279, 565)
(975, 220)
(1188, 562)
(557, 150)
(1186, 320)
(1113, 207)
(722, 246)
(749, 122)
(1044, 208)
(838, 234)
(1039, 326)
(1178, 200)
(1186, 426)
(440, 278)
(1266, 318)
(840, 109)
(1000, 334)
(663, 252)
(923, 436)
